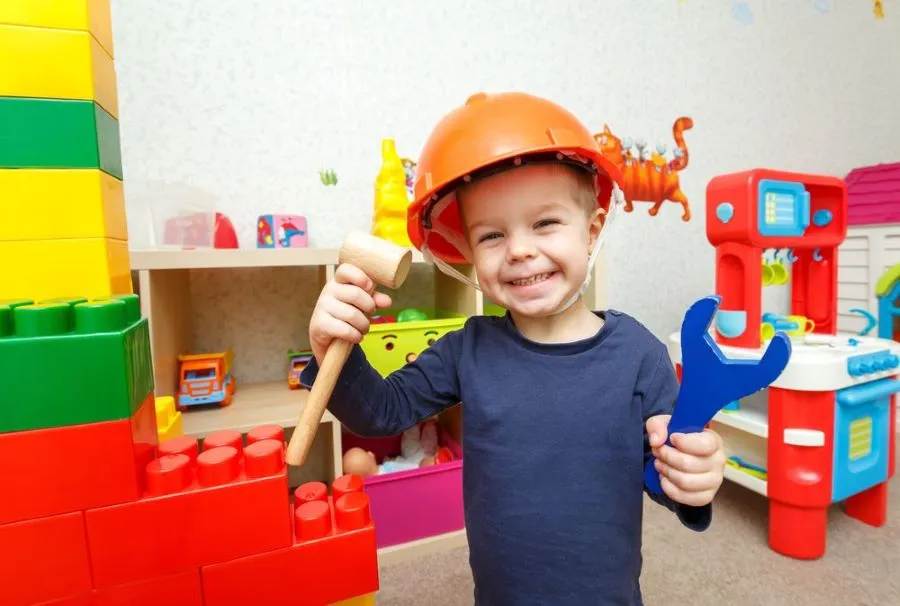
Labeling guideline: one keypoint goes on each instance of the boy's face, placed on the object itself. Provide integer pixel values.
(530, 237)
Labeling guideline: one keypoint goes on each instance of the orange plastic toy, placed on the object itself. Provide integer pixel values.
(487, 134)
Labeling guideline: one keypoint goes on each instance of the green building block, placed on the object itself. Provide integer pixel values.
(53, 133)
(72, 361)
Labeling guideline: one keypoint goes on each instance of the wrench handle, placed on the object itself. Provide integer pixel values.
(685, 419)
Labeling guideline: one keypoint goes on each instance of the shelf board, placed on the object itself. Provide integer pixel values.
(746, 480)
(221, 258)
(253, 405)
(746, 419)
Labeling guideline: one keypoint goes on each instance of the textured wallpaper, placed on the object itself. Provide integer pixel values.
(238, 104)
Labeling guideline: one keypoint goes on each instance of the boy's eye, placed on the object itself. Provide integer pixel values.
(546, 223)
(490, 236)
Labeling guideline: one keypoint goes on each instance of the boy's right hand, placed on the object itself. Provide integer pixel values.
(343, 309)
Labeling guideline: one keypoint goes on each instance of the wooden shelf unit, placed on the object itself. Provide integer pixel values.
(163, 278)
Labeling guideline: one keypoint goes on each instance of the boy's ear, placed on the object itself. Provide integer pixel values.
(594, 228)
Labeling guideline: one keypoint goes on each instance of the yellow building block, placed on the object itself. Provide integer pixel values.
(56, 64)
(363, 600)
(82, 15)
(57, 204)
(168, 419)
(47, 269)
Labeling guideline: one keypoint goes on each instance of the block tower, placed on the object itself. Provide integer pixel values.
(93, 508)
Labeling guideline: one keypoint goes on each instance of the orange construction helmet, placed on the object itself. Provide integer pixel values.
(491, 133)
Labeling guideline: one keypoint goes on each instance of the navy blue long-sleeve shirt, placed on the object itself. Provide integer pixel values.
(554, 447)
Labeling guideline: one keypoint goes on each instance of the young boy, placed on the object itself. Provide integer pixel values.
(562, 405)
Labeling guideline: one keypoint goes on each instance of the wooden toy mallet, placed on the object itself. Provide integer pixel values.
(386, 264)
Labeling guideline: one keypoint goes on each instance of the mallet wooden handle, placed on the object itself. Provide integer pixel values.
(386, 264)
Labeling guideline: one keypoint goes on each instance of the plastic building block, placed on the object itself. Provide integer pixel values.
(217, 506)
(333, 558)
(43, 559)
(57, 204)
(169, 423)
(182, 589)
(709, 380)
(71, 363)
(79, 600)
(56, 64)
(81, 15)
(62, 469)
(49, 269)
(52, 133)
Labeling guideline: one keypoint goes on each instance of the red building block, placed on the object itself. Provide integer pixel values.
(47, 472)
(182, 589)
(333, 558)
(43, 559)
(220, 505)
(81, 600)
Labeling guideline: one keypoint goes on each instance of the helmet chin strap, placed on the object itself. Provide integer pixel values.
(618, 199)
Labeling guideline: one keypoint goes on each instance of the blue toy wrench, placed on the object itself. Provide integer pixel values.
(709, 380)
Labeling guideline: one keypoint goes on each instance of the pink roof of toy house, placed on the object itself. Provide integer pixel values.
(873, 194)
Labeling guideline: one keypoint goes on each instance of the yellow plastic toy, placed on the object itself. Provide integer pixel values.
(390, 197)
(168, 420)
(60, 204)
(51, 268)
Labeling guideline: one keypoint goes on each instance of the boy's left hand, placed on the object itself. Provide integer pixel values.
(692, 468)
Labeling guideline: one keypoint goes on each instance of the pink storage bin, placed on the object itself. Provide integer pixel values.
(413, 504)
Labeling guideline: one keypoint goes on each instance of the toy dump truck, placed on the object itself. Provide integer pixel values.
(205, 379)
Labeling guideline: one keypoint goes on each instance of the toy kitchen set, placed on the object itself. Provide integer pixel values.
(823, 432)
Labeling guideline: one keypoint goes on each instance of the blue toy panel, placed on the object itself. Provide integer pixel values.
(783, 208)
(888, 308)
(861, 437)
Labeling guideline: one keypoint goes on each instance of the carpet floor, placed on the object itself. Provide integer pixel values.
(730, 564)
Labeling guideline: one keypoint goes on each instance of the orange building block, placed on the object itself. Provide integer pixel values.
(43, 559)
(199, 509)
(333, 558)
(46, 472)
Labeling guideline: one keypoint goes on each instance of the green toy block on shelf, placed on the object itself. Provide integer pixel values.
(58, 133)
(72, 361)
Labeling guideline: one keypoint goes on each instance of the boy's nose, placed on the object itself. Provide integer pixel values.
(520, 248)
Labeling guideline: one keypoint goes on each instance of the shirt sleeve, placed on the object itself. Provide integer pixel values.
(659, 392)
(371, 405)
